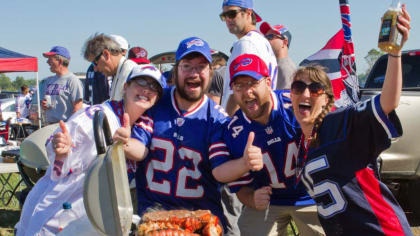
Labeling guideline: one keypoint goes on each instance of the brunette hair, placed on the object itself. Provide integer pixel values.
(316, 73)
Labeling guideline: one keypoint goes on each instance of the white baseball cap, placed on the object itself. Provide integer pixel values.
(120, 41)
(150, 71)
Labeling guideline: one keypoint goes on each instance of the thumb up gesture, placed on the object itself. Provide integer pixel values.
(252, 154)
(123, 134)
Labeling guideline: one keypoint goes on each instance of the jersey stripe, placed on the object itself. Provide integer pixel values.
(239, 183)
(217, 145)
(219, 153)
(194, 110)
(145, 126)
(382, 118)
(386, 216)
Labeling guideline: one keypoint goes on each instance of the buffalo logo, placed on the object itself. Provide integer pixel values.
(150, 68)
(269, 130)
(196, 42)
(90, 111)
(180, 121)
(142, 53)
(243, 62)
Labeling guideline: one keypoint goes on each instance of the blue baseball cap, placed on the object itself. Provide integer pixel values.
(249, 4)
(58, 50)
(193, 44)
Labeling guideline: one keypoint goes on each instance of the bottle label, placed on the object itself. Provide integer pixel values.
(385, 33)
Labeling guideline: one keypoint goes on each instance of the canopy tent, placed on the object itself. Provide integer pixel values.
(15, 62)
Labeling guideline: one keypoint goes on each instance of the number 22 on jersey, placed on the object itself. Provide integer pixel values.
(167, 165)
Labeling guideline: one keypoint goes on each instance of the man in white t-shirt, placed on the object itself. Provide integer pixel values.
(241, 21)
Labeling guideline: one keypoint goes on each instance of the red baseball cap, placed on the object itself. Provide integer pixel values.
(250, 65)
(138, 55)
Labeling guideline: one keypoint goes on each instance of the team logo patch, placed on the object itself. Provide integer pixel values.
(179, 121)
(269, 130)
(90, 111)
(195, 42)
(243, 62)
(142, 53)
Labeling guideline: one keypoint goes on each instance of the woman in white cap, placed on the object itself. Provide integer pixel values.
(72, 152)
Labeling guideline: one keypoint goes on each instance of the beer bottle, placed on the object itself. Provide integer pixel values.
(389, 37)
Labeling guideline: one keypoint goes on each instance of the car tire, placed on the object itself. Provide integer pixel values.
(414, 197)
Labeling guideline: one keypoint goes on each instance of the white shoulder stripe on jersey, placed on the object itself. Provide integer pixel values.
(243, 182)
(145, 126)
(376, 102)
(219, 153)
(217, 145)
(147, 118)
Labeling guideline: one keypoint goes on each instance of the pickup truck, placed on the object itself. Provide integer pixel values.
(400, 164)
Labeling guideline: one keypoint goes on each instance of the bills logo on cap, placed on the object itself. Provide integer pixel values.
(196, 42)
(150, 68)
(142, 53)
(243, 62)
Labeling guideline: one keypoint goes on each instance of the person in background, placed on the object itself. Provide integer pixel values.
(216, 87)
(109, 59)
(271, 197)
(280, 37)
(23, 102)
(338, 158)
(62, 93)
(138, 55)
(241, 19)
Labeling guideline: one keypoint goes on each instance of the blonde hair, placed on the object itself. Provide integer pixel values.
(316, 73)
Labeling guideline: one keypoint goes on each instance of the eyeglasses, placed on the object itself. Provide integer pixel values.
(231, 14)
(153, 86)
(315, 89)
(250, 84)
(187, 68)
(272, 36)
(95, 61)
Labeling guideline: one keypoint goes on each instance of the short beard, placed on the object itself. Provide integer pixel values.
(188, 97)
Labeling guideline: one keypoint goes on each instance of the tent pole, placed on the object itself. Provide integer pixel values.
(37, 101)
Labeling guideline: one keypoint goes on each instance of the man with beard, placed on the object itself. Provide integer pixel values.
(183, 132)
(241, 20)
(265, 113)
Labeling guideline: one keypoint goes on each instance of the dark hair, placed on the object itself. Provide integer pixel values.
(316, 73)
(24, 87)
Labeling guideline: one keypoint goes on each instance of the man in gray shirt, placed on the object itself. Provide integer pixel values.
(61, 94)
(280, 37)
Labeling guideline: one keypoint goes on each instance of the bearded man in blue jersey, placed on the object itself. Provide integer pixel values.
(266, 115)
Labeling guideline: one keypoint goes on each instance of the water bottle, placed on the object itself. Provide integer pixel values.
(66, 216)
(389, 36)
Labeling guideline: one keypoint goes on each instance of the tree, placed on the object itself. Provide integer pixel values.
(5, 82)
(371, 58)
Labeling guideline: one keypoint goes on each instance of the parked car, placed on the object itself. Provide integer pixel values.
(400, 164)
(8, 108)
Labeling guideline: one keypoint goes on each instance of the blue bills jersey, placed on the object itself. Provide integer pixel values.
(184, 148)
(349, 197)
(279, 141)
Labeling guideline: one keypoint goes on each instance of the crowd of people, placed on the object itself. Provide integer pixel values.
(253, 139)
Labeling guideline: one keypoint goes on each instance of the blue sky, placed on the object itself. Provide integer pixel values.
(33, 27)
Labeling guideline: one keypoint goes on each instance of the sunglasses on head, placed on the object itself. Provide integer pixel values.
(315, 88)
(231, 14)
(95, 61)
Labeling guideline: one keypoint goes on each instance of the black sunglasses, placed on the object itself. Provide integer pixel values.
(271, 36)
(315, 88)
(231, 14)
(95, 61)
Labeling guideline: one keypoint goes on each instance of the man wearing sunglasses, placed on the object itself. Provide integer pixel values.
(271, 196)
(280, 37)
(61, 94)
(241, 19)
(107, 53)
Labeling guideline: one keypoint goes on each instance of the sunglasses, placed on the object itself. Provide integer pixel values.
(95, 61)
(153, 86)
(272, 36)
(315, 89)
(231, 14)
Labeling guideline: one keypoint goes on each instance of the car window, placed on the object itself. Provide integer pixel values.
(411, 72)
(9, 107)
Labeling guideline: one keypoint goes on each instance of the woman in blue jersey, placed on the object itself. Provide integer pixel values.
(72, 152)
(340, 148)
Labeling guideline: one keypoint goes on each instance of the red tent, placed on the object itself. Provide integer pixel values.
(15, 62)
